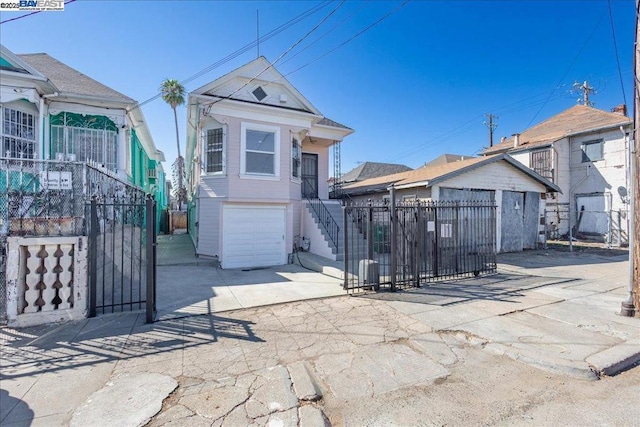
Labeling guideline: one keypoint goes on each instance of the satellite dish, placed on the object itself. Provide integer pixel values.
(622, 191)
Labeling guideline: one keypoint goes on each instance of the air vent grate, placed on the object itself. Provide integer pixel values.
(259, 93)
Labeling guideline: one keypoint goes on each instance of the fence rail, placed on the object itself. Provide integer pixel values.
(395, 246)
(46, 198)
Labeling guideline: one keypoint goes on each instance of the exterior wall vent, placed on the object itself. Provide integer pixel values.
(259, 93)
(151, 173)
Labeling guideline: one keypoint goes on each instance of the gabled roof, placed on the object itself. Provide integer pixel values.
(575, 120)
(258, 72)
(70, 81)
(372, 170)
(427, 176)
(446, 158)
(9, 61)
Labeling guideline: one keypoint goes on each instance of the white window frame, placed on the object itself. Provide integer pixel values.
(583, 147)
(298, 143)
(35, 151)
(204, 151)
(244, 127)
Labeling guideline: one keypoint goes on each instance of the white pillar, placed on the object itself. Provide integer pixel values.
(498, 197)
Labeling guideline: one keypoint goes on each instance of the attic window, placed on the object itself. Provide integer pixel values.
(259, 93)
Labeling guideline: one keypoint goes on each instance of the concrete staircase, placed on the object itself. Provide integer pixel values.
(335, 210)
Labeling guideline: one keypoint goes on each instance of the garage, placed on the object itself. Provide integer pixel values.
(253, 236)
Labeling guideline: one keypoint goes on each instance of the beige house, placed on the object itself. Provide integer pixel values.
(515, 189)
(585, 152)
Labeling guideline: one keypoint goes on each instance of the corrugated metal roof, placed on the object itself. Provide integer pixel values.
(577, 119)
(71, 81)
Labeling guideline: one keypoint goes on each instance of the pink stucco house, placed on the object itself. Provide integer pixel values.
(257, 167)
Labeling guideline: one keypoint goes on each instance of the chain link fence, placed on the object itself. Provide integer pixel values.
(41, 198)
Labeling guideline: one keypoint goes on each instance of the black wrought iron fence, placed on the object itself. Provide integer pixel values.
(394, 246)
(57, 198)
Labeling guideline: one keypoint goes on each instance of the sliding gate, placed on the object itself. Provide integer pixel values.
(395, 246)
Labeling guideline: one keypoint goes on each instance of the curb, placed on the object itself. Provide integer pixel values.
(614, 360)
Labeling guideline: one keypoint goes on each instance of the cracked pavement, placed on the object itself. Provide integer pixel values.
(507, 348)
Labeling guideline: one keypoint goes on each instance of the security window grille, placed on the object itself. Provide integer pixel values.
(214, 150)
(295, 158)
(259, 93)
(592, 151)
(260, 152)
(18, 134)
(85, 138)
(541, 163)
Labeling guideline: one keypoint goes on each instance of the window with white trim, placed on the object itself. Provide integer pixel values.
(214, 151)
(296, 162)
(592, 151)
(18, 134)
(260, 150)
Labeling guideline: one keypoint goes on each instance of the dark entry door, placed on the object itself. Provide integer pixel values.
(309, 176)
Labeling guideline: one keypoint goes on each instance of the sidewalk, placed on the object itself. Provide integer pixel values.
(296, 363)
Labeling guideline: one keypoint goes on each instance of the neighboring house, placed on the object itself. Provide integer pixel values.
(585, 152)
(515, 189)
(257, 164)
(364, 171)
(51, 111)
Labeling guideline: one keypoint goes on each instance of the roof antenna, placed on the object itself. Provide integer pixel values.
(258, 30)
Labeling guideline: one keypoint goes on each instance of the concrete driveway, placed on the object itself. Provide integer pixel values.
(188, 286)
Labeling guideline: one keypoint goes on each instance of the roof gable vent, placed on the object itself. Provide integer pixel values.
(259, 93)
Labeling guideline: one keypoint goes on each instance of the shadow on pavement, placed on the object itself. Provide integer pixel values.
(496, 287)
(559, 255)
(109, 338)
(14, 405)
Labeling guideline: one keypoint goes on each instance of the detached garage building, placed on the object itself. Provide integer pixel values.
(517, 191)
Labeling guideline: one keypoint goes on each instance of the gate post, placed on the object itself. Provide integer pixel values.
(394, 236)
(93, 256)
(416, 244)
(370, 230)
(151, 258)
(345, 242)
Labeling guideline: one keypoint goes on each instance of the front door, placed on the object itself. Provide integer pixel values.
(309, 176)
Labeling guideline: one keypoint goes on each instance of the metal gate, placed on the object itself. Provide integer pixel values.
(122, 250)
(396, 246)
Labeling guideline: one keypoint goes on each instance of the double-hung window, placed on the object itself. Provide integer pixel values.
(18, 134)
(260, 150)
(214, 151)
(592, 151)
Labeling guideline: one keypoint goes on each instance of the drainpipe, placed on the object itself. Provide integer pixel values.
(44, 129)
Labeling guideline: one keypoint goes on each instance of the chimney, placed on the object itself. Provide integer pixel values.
(620, 109)
(516, 140)
(503, 139)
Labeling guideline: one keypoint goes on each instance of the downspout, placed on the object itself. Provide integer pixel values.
(44, 129)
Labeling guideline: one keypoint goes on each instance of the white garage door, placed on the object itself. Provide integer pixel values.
(253, 236)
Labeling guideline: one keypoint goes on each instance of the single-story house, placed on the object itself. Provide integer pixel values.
(517, 191)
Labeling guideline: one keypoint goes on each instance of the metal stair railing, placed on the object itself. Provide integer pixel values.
(328, 222)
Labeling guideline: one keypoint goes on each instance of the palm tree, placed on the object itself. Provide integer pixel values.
(173, 94)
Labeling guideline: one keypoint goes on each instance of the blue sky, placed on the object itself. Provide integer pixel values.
(414, 86)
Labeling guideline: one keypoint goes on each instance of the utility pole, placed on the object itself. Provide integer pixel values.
(584, 90)
(634, 258)
(491, 125)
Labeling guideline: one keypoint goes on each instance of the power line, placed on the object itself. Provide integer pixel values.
(615, 47)
(282, 55)
(567, 71)
(304, 15)
(29, 14)
(351, 39)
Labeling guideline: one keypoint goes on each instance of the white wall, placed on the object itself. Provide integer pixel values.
(495, 176)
